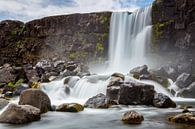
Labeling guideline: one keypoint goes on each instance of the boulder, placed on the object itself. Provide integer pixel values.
(132, 117)
(136, 94)
(7, 75)
(69, 107)
(20, 114)
(3, 103)
(140, 70)
(184, 80)
(163, 101)
(112, 92)
(98, 101)
(118, 75)
(186, 118)
(31, 74)
(36, 98)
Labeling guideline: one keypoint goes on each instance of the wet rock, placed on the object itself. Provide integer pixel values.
(184, 80)
(20, 114)
(163, 101)
(67, 89)
(185, 110)
(70, 107)
(136, 94)
(31, 74)
(8, 94)
(112, 92)
(186, 118)
(132, 117)
(18, 90)
(3, 103)
(140, 70)
(71, 66)
(188, 92)
(36, 98)
(118, 75)
(98, 101)
(71, 81)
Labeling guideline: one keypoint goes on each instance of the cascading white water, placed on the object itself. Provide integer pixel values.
(129, 35)
(81, 89)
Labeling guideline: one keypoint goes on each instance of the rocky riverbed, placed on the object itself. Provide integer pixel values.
(116, 93)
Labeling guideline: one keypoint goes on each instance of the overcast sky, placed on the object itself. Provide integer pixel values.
(26, 10)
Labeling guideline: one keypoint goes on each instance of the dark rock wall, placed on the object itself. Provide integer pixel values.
(174, 32)
(174, 25)
(79, 37)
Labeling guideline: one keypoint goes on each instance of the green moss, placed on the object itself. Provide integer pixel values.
(19, 43)
(14, 33)
(165, 83)
(78, 55)
(18, 83)
(99, 48)
(104, 19)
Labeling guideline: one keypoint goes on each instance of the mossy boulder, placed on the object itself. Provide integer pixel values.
(185, 118)
(132, 117)
(70, 107)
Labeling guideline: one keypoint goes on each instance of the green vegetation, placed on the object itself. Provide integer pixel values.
(19, 44)
(99, 47)
(104, 19)
(165, 83)
(78, 55)
(18, 83)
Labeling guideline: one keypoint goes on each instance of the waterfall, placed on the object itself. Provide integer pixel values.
(129, 35)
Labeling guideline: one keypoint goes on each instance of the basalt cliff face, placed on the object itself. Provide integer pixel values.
(174, 32)
(78, 37)
(84, 37)
(174, 24)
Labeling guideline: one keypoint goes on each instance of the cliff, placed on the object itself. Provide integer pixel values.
(79, 37)
(174, 25)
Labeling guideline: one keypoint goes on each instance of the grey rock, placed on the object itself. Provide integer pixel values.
(20, 114)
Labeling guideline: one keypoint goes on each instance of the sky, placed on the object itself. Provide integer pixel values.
(26, 10)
